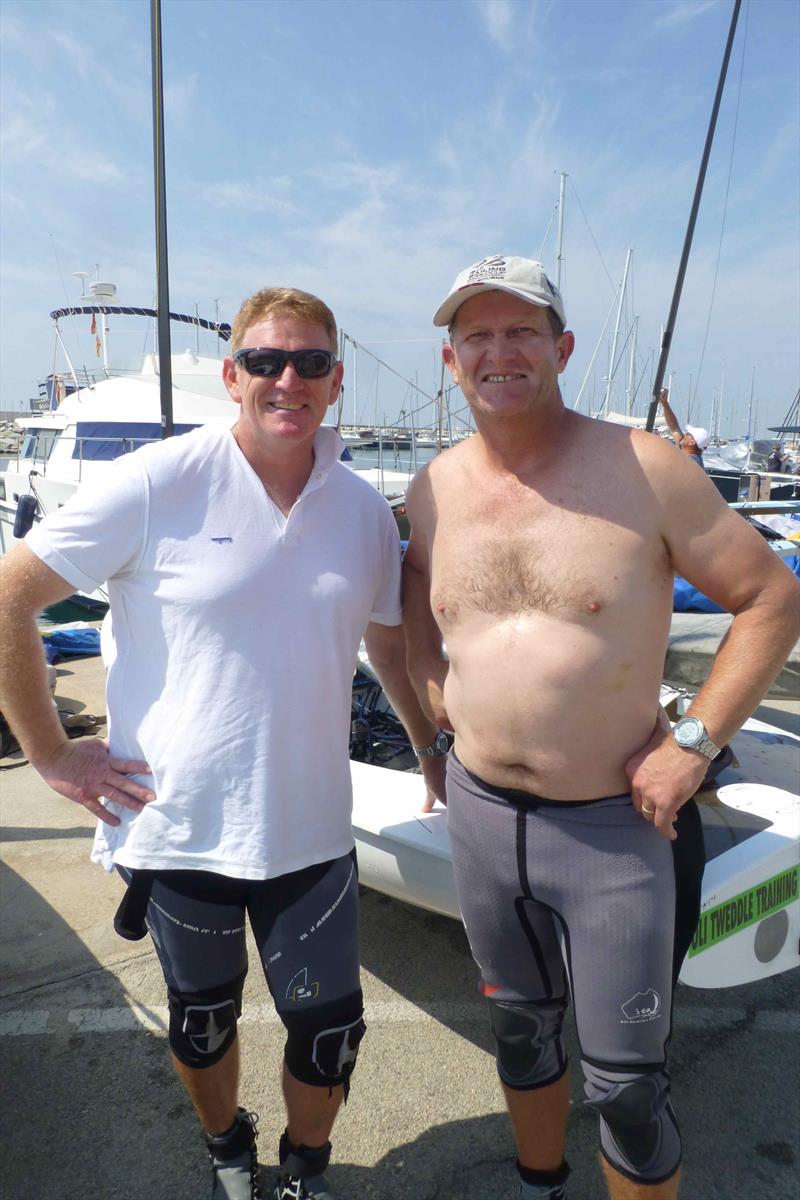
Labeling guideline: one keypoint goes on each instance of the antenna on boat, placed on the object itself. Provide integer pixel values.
(666, 338)
(162, 295)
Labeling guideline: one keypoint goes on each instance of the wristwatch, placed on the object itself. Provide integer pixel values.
(438, 747)
(690, 734)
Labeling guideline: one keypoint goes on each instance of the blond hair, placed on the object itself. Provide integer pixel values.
(283, 301)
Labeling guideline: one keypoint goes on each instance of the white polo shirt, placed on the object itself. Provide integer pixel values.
(235, 638)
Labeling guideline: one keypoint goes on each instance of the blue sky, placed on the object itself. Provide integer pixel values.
(367, 151)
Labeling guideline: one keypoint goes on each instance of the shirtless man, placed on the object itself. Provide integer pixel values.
(543, 551)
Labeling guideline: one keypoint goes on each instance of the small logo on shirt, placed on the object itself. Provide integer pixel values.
(221, 541)
(644, 1006)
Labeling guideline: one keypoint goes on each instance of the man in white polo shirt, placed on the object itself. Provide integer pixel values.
(244, 565)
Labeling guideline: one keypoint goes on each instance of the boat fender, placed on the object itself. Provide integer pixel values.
(26, 511)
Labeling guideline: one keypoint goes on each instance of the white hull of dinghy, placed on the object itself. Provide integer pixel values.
(750, 913)
(402, 852)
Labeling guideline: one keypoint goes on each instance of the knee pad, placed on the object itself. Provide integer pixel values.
(202, 1025)
(638, 1131)
(530, 1049)
(322, 1042)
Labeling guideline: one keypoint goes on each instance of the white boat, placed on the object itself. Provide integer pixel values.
(750, 920)
(88, 419)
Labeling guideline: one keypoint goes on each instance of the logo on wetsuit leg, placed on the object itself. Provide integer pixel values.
(300, 989)
(208, 1025)
(644, 1006)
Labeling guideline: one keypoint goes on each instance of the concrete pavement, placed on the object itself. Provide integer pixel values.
(91, 1108)
(693, 642)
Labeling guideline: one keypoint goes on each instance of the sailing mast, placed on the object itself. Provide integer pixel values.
(560, 254)
(687, 244)
(615, 339)
(162, 293)
(631, 391)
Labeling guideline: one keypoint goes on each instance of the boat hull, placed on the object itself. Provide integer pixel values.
(749, 926)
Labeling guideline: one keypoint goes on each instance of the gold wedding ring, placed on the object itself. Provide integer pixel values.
(648, 812)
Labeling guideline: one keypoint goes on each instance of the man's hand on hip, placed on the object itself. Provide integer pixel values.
(84, 771)
(434, 771)
(663, 777)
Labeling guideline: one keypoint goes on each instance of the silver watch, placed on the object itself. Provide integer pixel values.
(690, 734)
(438, 747)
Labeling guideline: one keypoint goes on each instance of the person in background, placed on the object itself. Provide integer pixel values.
(777, 459)
(542, 552)
(244, 564)
(693, 441)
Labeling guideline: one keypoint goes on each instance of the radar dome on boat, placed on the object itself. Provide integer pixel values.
(102, 291)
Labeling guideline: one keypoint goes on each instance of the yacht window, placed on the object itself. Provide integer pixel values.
(102, 441)
(38, 444)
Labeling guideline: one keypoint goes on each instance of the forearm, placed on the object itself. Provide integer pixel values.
(401, 694)
(426, 664)
(27, 586)
(428, 674)
(671, 421)
(25, 699)
(750, 657)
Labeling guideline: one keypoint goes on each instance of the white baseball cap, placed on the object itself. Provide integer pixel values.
(701, 436)
(521, 277)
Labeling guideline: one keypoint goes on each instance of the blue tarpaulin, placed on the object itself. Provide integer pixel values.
(63, 643)
(686, 598)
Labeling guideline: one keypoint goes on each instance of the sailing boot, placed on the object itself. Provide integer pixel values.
(234, 1161)
(543, 1185)
(301, 1172)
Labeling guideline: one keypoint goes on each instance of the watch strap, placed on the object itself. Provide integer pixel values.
(437, 749)
(704, 744)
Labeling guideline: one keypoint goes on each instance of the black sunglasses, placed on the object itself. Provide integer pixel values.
(270, 364)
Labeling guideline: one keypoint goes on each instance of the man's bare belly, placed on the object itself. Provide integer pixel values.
(553, 592)
(547, 705)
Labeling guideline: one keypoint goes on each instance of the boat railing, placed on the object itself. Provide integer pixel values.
(31, 455)
(56, 387)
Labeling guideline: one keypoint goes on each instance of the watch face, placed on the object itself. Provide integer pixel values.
(441, 743)
(688, 732)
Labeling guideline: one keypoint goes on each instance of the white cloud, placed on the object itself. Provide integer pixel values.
(10, 30)
(81, 58)
(683, 12)
(381, 223)
(127, 90)
(26, 122)
(250, 197)
(180, 99)
(93, 167)
(32, 135)
(9, 200)
(499, 16)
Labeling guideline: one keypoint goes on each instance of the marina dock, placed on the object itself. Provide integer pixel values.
(92, 1107)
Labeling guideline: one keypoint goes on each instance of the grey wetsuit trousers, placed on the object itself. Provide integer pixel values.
(579, 898)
